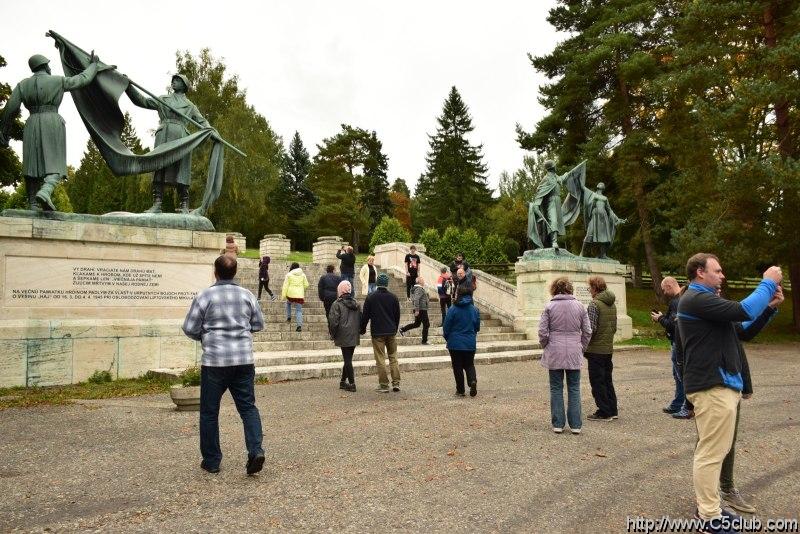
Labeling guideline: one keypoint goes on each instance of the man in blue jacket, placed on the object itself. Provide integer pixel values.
(713, 370)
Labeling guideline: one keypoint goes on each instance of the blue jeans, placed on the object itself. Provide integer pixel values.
(371, 287)
(238, 379)
(679, 401)
(573, 398)
(298, 312)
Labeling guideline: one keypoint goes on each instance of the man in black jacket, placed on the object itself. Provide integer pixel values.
(326, 288)
(347, 265)
(382, 311)
(671, 290)
(713, 368)
(745, 331)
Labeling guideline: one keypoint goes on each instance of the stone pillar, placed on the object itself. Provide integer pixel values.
(323, 251)
(534, 277)
(276, 246)
(240, 241)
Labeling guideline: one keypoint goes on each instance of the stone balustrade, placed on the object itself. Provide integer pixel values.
(324, 249)
(276, 246)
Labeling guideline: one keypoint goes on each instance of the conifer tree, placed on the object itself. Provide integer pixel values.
(292, 194)
(454, 189)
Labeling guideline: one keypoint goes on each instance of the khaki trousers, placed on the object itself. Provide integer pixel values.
(380, 346)
(715, 416)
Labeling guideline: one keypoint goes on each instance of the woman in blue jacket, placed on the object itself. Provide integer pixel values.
(461, 326)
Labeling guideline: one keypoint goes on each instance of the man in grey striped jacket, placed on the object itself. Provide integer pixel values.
(223, 318)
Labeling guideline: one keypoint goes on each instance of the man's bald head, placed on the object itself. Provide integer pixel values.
(225, 267)
(670, 286)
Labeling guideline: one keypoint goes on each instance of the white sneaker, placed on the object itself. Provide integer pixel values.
(576, 430)
(558, 430)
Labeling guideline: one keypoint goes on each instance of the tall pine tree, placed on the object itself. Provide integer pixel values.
(453, 191)
(293, 193)
(10, 166)
(349, 177)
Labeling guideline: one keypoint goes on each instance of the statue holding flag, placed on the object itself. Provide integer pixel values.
(174, 110)
(44, 141)
(96, 89)
(546, 216)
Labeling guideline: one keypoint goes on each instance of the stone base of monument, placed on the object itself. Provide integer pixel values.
(536, 271)
(77, 297)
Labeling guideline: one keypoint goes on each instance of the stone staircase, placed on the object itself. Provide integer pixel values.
(281, 353)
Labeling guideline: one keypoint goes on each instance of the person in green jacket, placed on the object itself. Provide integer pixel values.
(44, 139)
(603, 319)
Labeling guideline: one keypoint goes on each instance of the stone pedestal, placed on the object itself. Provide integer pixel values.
(323, 251)
(276, 246)
(76, 297)
(534, 277)
(240, 241)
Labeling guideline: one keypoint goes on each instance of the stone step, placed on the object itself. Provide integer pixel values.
(279, 373)
(297, 343)
(316, 304)
(487, 325)
(288, 357)
(313, 331)
(278, 315)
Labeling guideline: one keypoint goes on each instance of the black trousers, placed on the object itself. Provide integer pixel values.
(420, 319)
(264, 284)
(463, 362)
(444, 304)
(601, 369)
(347, 369)
(327, 304)
(410, 281)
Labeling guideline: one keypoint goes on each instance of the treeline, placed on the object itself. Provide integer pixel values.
(686, 110)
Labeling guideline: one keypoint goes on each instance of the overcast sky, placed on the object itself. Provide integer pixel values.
(312, 65)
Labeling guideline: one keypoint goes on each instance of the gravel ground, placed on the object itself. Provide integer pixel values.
(418, 460)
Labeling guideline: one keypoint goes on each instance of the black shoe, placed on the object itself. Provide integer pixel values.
(424, 343)
(205, 467)
(342, 385)
(288, 319)
(460, 394)
(473, 389)
(670, 410)
(395, 388)
(350, 387)
(255, 463)
(598, 417)
(402, 332)
(298, 329)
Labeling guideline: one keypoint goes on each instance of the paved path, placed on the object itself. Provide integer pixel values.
(419, 460)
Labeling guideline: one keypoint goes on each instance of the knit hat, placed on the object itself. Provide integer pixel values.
(382, 280)
(343, 287)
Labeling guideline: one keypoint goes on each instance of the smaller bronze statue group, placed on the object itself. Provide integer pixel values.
(548, 216)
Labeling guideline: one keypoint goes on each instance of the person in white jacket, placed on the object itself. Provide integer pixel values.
(368, 275)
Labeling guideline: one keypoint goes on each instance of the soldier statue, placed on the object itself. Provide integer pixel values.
(44, 140)
(172, 126)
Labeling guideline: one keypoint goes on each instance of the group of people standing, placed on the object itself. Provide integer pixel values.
(570, 333)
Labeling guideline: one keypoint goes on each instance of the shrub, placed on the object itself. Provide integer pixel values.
(190, 377)
(389, 230)
(430, 238)
(100, 377)
(493, 250)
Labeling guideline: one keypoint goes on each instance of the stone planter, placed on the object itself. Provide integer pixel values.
(186, 398)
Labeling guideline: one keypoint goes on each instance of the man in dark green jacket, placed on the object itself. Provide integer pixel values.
(603, 318)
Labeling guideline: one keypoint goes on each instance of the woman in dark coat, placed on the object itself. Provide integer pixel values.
(344, 323)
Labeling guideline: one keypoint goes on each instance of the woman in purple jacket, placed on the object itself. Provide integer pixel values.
(564, 333)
